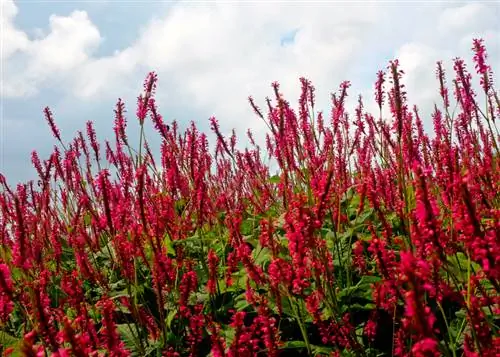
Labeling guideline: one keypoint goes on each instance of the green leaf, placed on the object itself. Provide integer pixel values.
(286, 307)
(155, 346)
(7, 340)
(348, 195)
(461, 314)
(247, 227)
(365, 216)
(330, 239)
(262, 256)
(229, 333)
(239, 281)
(118, 294)
(241, 302)
(87, 219)
(169, 245)
(288, 345)
(180, 205)
(369, 279)
(275, 179)
(321, 350)
(316, 350)
(365, 307)
(362, 289)
(127, 337)
(170, 317)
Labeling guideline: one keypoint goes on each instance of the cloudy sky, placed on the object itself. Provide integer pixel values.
(78, 57)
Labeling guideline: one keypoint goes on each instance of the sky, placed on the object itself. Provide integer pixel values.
(79, 57)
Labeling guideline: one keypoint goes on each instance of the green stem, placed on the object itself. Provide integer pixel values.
(141, 136)
(452, 347)
(296, 311)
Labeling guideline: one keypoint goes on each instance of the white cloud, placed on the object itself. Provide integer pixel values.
(471, 17)
(13, 40)
(68, 44)
(212, 57)
(418, 62)
(51, 57)
(457, 27)
(216, 56)
(100, 75)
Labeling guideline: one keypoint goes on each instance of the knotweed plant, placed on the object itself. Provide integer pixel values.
(375, 238)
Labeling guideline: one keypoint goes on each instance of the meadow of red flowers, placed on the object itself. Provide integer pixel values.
(375, 238)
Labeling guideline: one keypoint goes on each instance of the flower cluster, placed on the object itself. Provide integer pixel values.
(372, 238)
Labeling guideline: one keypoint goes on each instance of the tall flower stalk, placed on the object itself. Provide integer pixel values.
(373, 238)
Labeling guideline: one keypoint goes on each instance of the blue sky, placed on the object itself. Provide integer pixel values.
(78, 57)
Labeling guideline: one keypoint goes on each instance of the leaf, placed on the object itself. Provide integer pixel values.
(330, 239)
(364, 237)
(461, 314)
(275, 179)
(127, 337)
(241, 303)
(169, 245)
(316, 350)
(348, 195)
(458, 264)
(368, 213)
(369, 279)
(118, 294)
(262, 256)
(155, 346)
(180, 205)
(7, 340)
(170, 317)
(254, 242)
(321, 350)
(193, 241)
(294, 345)
(247, 227)
(239, 281)
(362, 289)
(87, 219)
(369, 306)
(229, 334)
(286, 307)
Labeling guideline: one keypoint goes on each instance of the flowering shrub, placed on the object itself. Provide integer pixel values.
(374, 238)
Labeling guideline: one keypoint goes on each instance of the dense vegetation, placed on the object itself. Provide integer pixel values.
(374, 238)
